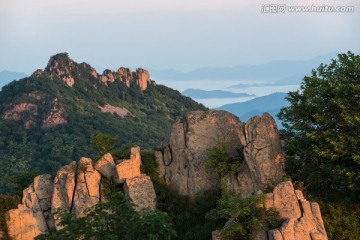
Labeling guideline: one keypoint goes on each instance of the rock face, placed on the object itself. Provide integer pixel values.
(262, 151)
(30, 112)
(60, 67)
(64, 185)
(24, 223)
(54, 117)
(129, 168)
(182, 162)
(106, 166)
(33, 216)
(87, 192)
(76, 188)
(15, 113)
(19, 111)
(121, 112)
(303, 218)
(142, 78)
(141, 192)
(107, 76)
(125, 75)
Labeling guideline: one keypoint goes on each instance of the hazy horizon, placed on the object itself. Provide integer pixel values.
(180, 35)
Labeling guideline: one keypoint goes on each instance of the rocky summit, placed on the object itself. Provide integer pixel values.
(182, 161)
(61, 67)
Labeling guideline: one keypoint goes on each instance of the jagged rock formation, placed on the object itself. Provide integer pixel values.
(182, 162)
(60, 70)
(60, 66)
(303, 218)
(76, 187)
(125, 74)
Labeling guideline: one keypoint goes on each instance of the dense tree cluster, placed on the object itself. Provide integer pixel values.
(322, 142)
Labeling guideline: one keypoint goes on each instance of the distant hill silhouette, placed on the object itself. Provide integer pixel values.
(8, 76)
(200, 94)
(245, 110)
(280, 72)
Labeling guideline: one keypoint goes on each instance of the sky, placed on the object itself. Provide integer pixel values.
(177, 34)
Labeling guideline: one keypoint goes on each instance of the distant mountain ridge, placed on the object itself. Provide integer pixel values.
(270, 103)
(201, 94)
(279, 71)
(8, 76)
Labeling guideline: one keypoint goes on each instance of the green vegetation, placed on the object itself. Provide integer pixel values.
(115, 219)
(45, 150)
(219, 160)
(322, 130)
(103, 143)
(322, 142)
(244, 216)
(342, 221)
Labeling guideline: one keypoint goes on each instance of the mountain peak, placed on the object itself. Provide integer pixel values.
(59, 60)
(61, 66)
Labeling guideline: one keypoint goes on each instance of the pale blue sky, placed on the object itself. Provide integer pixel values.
(179, 34)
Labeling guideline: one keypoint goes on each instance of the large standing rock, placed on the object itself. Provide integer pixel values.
(141, 192)
(142, 78)
(25, 224)
(303, 218)
(44, 188)
(182, 162)
(263, 150)
(64, 187)
(285, 200)
(27, 221)
(106, 166)
(87, 191)
(129, 168)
